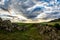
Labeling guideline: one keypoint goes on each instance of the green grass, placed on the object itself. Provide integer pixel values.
(31, 34)
(50, 23)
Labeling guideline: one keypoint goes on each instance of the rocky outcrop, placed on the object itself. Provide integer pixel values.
(8, 26)
(5, 25)
(49, 32)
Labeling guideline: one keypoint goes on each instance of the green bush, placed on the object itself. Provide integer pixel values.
(57, 26)
(0, 20)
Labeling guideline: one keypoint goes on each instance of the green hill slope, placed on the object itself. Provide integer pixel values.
(30, 31)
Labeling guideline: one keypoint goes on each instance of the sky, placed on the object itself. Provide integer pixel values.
(30, 9)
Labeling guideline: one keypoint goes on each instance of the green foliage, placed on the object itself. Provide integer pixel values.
(57, 26)
(0, 22)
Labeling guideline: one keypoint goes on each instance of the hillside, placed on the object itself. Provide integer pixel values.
(30, 31)
(56, 20)
(52, 22)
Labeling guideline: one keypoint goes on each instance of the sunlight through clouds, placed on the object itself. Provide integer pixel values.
(31, 9)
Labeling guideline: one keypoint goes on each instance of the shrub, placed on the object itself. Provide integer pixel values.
(0, 20)
(57, 26)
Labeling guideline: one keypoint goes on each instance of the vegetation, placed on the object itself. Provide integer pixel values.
(30, 31)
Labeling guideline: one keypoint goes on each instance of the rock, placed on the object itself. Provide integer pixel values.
(6, 25)
(50, 33)
(19, 28)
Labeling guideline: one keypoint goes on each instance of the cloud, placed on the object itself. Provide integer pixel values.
(36, 9)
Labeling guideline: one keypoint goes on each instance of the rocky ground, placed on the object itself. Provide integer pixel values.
(47, 32)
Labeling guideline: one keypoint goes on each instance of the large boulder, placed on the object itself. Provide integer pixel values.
(49, 33)
(6, 25)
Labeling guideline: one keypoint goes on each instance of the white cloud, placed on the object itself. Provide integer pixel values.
(2, 2)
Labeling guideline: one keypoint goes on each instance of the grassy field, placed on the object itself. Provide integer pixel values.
(32, 33)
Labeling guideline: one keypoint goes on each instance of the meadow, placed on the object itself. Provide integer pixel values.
(29, 31)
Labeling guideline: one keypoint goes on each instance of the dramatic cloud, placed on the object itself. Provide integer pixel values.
(31, 9)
